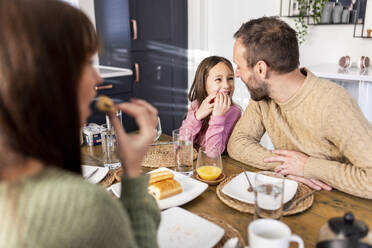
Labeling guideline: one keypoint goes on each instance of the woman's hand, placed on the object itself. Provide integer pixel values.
(222, 104)
(205, 108)
(133, 147)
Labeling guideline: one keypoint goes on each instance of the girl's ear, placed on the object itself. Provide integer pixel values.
(261, 69)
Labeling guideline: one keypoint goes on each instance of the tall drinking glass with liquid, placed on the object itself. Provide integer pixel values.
(268, 191)
(110, 145)
(158, 130)
(209, 163)
(183, 151)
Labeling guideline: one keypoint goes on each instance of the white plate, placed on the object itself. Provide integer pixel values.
(115, 189)
(98, 176)
(191, 189)
(183, 229)
(237, 188)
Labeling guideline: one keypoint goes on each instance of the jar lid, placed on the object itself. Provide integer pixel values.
(348, 226)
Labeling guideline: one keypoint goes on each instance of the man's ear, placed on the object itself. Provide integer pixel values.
(262, 70)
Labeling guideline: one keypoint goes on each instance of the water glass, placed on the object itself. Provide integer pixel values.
(183, 151)
(158, 130)
(268, 191)
(209, 163)
(118, 114)
(109, 144)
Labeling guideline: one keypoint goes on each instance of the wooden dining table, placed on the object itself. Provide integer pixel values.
(305, 224)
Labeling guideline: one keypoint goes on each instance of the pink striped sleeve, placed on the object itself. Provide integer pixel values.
(191, 122)
(220, 128)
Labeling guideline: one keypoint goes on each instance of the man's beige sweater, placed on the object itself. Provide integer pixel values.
(322, 121)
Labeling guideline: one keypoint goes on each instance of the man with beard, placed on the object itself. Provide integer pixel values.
(320, 135)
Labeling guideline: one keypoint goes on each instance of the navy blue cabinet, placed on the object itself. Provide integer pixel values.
(159, 25)
(115, 50)
(113, 28)
(161, 82)
(149, 37)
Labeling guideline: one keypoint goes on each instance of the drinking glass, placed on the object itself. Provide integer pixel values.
(268, 191)
(209, 163)
(109, 144)
(183, 151)
(158, 130)
(118, 114)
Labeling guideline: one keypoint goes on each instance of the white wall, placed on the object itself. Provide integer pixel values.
(326, 44)
(87, 6)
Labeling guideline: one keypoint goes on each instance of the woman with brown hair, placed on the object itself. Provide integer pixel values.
(46, 85)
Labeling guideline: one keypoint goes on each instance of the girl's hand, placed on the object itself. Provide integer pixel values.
(133, 147)
(205, 108)
(222, 104)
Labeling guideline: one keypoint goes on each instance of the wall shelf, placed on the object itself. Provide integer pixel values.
(287, 7)
(329, 24)
(333, 71)
(360, 33)
(294, 16)
(292, 4)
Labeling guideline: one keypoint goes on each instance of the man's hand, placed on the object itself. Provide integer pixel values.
(312, 183)
(293, 162)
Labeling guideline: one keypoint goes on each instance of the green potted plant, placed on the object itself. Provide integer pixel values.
(307, 8)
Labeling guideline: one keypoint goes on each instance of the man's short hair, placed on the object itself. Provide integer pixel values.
(271, 40)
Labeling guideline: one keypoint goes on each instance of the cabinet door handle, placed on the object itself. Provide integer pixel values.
(104, 87)
(135, 33)
(136, 68)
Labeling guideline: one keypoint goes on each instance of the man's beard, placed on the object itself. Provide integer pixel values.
(261, 92)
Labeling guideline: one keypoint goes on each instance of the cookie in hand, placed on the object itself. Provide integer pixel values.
(105, 104)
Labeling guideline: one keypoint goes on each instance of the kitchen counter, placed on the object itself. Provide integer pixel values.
(109, 71)
(356, 81)
(333, 71)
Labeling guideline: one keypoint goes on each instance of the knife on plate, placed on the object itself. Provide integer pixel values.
(291, 204)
